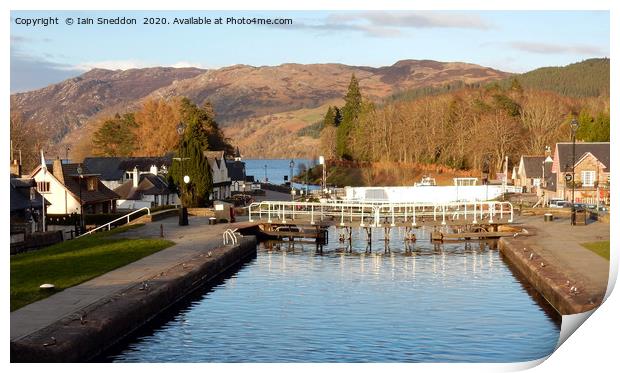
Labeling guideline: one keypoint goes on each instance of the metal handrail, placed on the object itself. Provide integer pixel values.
(115, 220)
(407, 211)
(230, 234)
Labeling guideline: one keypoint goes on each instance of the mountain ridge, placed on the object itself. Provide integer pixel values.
(240, 93)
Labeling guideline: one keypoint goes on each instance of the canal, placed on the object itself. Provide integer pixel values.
(387, 302)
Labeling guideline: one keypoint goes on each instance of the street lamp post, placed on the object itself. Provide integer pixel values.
(183, 220)
(306, 180)
(574, 125)
(265, 174)
(323, 179)
(79, 171)
(291, 164)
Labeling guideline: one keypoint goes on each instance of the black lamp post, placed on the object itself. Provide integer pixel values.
(183, 220)
(79, 171)
(291, 164)
(574, 125)
(265, 173)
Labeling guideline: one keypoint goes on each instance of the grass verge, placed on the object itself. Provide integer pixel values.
(72, 262)
(600, 247)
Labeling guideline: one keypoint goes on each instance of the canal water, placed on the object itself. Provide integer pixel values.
(387, 302)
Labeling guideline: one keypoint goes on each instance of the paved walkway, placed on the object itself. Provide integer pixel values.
(196, 238)
(558, 243)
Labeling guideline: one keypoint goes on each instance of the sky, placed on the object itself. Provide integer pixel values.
(513, 41)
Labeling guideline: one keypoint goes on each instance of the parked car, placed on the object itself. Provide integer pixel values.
(558, 203)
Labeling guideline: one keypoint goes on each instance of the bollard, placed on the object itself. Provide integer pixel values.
(161, 230)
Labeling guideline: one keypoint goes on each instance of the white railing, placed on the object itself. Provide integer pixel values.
(373, 214)
(230, 237)
(109, 224)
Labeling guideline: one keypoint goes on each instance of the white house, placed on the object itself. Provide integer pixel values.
(70, 191)
(145, 189)
(116, 171)
(219, 174)
(531, 172)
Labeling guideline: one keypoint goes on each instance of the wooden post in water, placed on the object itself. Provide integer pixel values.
(386, 234)
(368, 238)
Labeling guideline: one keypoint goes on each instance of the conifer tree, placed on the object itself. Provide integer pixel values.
(191, 162)
(205, 128)
(332, 117)
(115, 138)
(350, 114)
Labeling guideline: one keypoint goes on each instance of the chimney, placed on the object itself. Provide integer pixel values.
(57, 170)
(548, 157)
(153, 170)
(16, 168)
(136, 177)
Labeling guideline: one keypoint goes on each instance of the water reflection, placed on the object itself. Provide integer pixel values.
(383, 300)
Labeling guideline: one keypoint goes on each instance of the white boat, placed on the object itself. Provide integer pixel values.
(426, 181)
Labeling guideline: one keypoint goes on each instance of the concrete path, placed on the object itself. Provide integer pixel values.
(196, 238)
(559, 244)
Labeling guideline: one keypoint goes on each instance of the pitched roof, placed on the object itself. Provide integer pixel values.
(22, 182)
(149, 185)
(20, 195)
(532, 165)
(144, 163)
(598, 149)
(107, 167)
(113, 168)
(235, 170)
(214, 155)
(72, 183)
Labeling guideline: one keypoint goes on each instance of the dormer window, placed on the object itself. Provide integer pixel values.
(91, 184)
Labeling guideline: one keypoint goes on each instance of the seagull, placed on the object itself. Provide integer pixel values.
(542, 264)
(209, 254)
(531, 256)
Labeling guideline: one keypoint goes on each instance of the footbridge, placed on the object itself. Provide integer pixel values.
(381, 214)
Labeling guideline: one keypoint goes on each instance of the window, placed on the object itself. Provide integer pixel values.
(587, 178)
(43, 186)
(91, 183)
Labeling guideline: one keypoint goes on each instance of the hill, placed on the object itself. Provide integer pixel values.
(243, 96)
(589, 78)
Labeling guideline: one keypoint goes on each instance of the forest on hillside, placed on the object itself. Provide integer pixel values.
(589, 78)
(473, 128)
